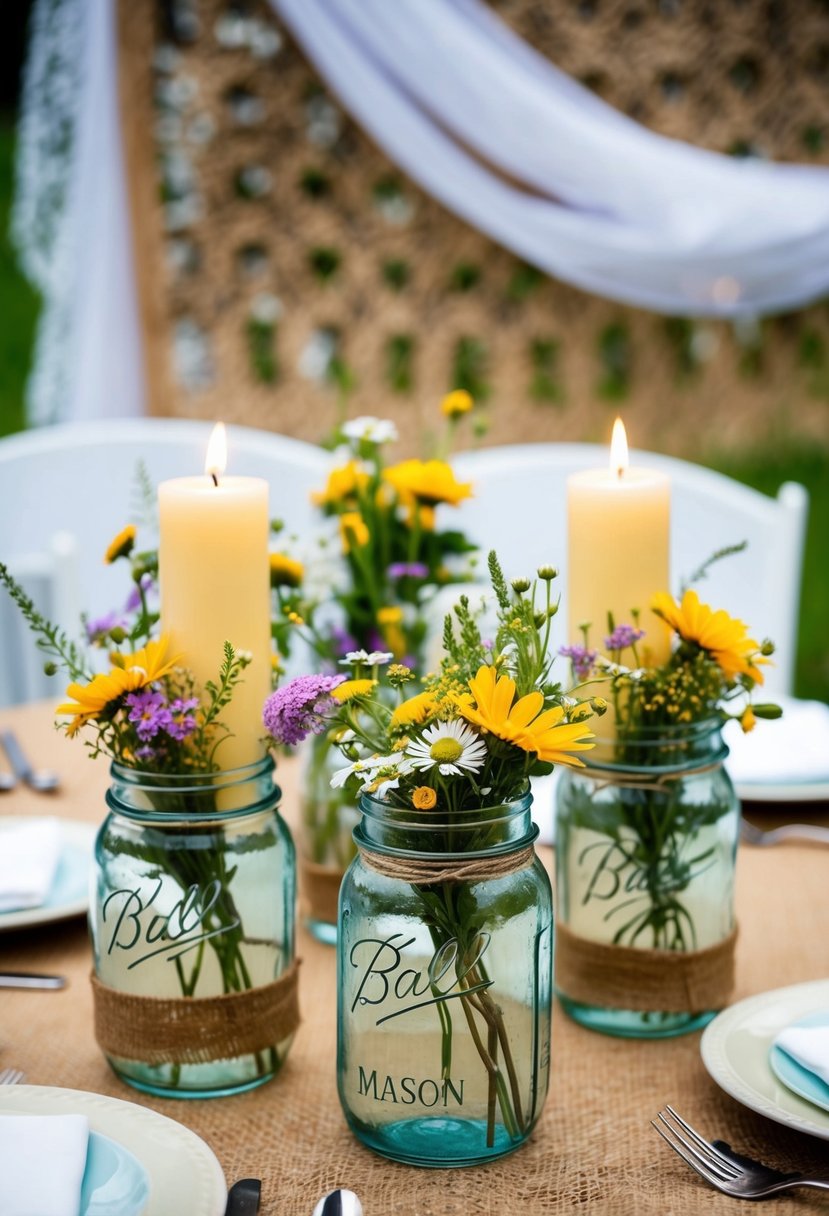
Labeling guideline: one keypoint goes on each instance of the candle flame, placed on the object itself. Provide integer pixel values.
(215, 461)
(619, 448)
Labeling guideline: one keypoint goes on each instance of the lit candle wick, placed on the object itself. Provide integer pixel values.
(216, 479)
(216, 459)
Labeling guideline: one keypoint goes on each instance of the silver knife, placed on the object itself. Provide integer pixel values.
(243, 1197)
(27, 979)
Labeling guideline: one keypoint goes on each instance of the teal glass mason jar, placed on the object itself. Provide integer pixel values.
(444, 983)
(646, 840)
(192, 922)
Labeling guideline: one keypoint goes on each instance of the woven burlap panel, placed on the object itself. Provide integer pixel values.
(195, 1030)
(666, 981)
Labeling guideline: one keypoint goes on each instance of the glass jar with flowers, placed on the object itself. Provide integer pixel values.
(365, 608)
(192, 915)
(446, 930)
(646, 836)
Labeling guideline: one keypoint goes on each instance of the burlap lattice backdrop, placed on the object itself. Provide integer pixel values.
(283, 260)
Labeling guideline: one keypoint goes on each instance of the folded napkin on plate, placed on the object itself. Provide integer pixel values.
(809, 1046)
(42, 1162)
(791, 750)
(29, 856)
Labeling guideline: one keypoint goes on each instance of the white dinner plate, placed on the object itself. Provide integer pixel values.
(69, 893)
(184, 1175)
(735, 1051)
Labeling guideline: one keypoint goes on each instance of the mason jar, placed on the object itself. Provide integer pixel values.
(444, 983)
(646, 840)
(326, 846)
(192, 921)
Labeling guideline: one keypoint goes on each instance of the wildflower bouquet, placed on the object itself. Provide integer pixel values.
(645, 842)
(163, 735)
(442, 767)
(393, 559)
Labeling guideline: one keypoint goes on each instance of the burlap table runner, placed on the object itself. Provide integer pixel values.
(593, 1151)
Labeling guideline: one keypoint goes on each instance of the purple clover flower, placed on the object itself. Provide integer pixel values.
(149, 713)
(182, 723)
(97, 629)
(623, 636)
(296, 710)
(407, 570)
(582, 658)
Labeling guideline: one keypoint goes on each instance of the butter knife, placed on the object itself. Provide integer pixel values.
(27, 979)
(243, 1197)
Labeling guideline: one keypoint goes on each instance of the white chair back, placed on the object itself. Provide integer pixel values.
(82, 478)
(520, 510)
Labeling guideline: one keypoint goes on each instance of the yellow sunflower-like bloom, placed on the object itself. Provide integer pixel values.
(428, 481)
(344, 483)
(134, 671)
(353, 530)
(121, 545)
(414, 711)
(285, 571)
(424, 798)
(350, 689)
(724, 637)
(521, 722)
(456, 403)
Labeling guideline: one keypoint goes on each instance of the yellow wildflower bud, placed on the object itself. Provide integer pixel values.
(580, 711)
(456, 403)
(598, 705)
(748, 720)
(295, 618)
(121, 545)
(424, 798)
(353, 531)
(285, 571)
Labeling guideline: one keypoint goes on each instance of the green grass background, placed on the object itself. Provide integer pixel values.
(764, 469)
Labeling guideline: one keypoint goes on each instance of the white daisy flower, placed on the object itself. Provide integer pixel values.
(371, 765)
(374, 658)
(451, 746)
(374, 430)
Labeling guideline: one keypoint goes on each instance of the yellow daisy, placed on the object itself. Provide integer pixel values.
(350, 689)
(344, 483)
(724, 637)
(353, 530)
(456, 403)
(428, 481)
(135, 671)
(414, 711)
(521, 722)
(285, 571)
(121, 545)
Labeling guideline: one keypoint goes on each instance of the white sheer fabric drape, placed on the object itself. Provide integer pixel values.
(71, 218)
(523, 152)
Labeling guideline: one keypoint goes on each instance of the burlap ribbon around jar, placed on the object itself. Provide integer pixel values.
(196, 1030)
(647, 981)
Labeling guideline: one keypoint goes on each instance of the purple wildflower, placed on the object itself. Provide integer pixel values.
(296, 710)
(342, 641)
(623, 636)
(145, 753)
(98, 629)
(134, 598)
(182, 723)
(148, 712)
(582, 658)
(407, 570)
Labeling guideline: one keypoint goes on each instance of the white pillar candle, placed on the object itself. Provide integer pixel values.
(215, 587)
(618, 526)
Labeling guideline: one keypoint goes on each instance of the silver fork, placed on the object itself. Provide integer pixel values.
(11, 1076)
(812, 833)
(720, 1166)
